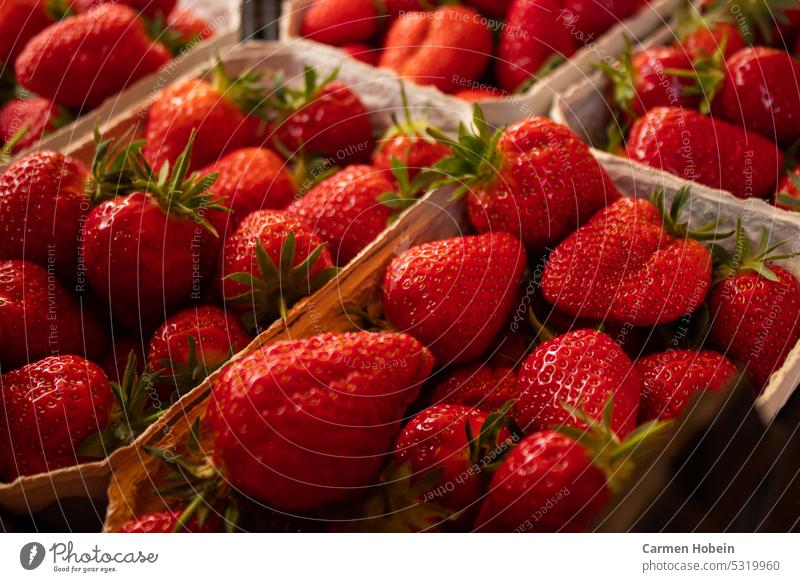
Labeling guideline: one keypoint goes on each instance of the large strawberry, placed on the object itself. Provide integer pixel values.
(190, 27)
(479, 386)
(221, 111)
(150, 8)
(591, 18)
(454, 295)
(39, 318)
(671, 379)
(20, 21)
(34, 116)
(706, 150)
(535, 179)
(444, 48)
(755, 307)
(82, 61)
(323, 117)
(250, 179)
(301, 424)
(272, 260)
(633, 263)
(340, 22)
(535, 37)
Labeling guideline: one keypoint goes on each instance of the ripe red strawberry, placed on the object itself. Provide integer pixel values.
(348, 210)
(547, 483)
(20, 21)
(251, 179)
(535, 179)
(496, 8)
(325, 118)
(168, 521)
(47, 409)
(535, 37)
(340, 22)
(633, 263)
(272, 260)
(38, 318)
(479, 386)
(671, 379)
(193, 343)
(444, 48)
(35, 116)
(397, 7)
(150, 8)
(706, 150)
(480, 94)
(302, 424)
(707, 39)
(363, 53)
(219, 112)
(189, 26)
(454, 295)
(460, 443)
(755, 307)
(83, 60)
(582, 369)
(591, 18)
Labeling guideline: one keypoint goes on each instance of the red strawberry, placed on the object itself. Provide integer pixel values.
(61, 398)
(36, 116)
(535, 37)
(150, 8)
(582, 369)
(83, 60)
(301, 424)
(591, 18)
(218, 111)
(193, 343)
(480, 94)
(189, 26)
(670, 380)
(496, 8)
(251, 179)
(708, 38)
(340, 22)
(272, 260)
(454, 295)
(39, 318)
(324, 118)
(755, 307)
(477, 386)
(363, 53)
(633, 263)
(398, 7)
(787, 196)
(710, 151)
(547, 483)
(20, 21)
(167, 522)
(347, 210)
(444, 48)
(454, 440)
(535, 179)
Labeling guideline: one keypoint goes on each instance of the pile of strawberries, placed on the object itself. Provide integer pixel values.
(721, 106)
(457, 409)
(59, 58)
(481, 49)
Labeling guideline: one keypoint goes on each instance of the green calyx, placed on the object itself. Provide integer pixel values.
(58, 9)
(8, 148)
(550, 64)
(485, 450)
(284, 100)
(475, 160)
(135, 411)
(189, 375)
(618, 459)
(787, 199)
(407, 192)
(307, 169)
(623, 80)
(543, 334)
(158, 30)
(277, 287)
(245, 91)
(178, 194)
(707, 74)
(745, 258)
(753, 16)
(112, 167)
(407, 126)
(681, 229)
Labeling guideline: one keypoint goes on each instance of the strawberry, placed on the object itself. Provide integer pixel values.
(340, 22)
(190, 27)
(458, 442)
(61, 398)
(363, 53)
(251, 179)
(755, 307)
(82, 61)
(168, 522)
(325, 117)
(709, 37)
(272, 260)
(535, 179)
(534, 38)
(479, 386)
(443, 48)
(147, 253)
(193, 343)
(671, 379)
(35, 116)
(591, 18)
(787, 196)
(149, 8)
(454, 295)
(349, 209)
(39, 318)
(633, 263)
(302, 424)
(480, 94)
(219, 112)
(396, 8)
(495, 8)
(710, 151)
(20, 21)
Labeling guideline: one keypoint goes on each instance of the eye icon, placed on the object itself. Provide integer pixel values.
(31, 555)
